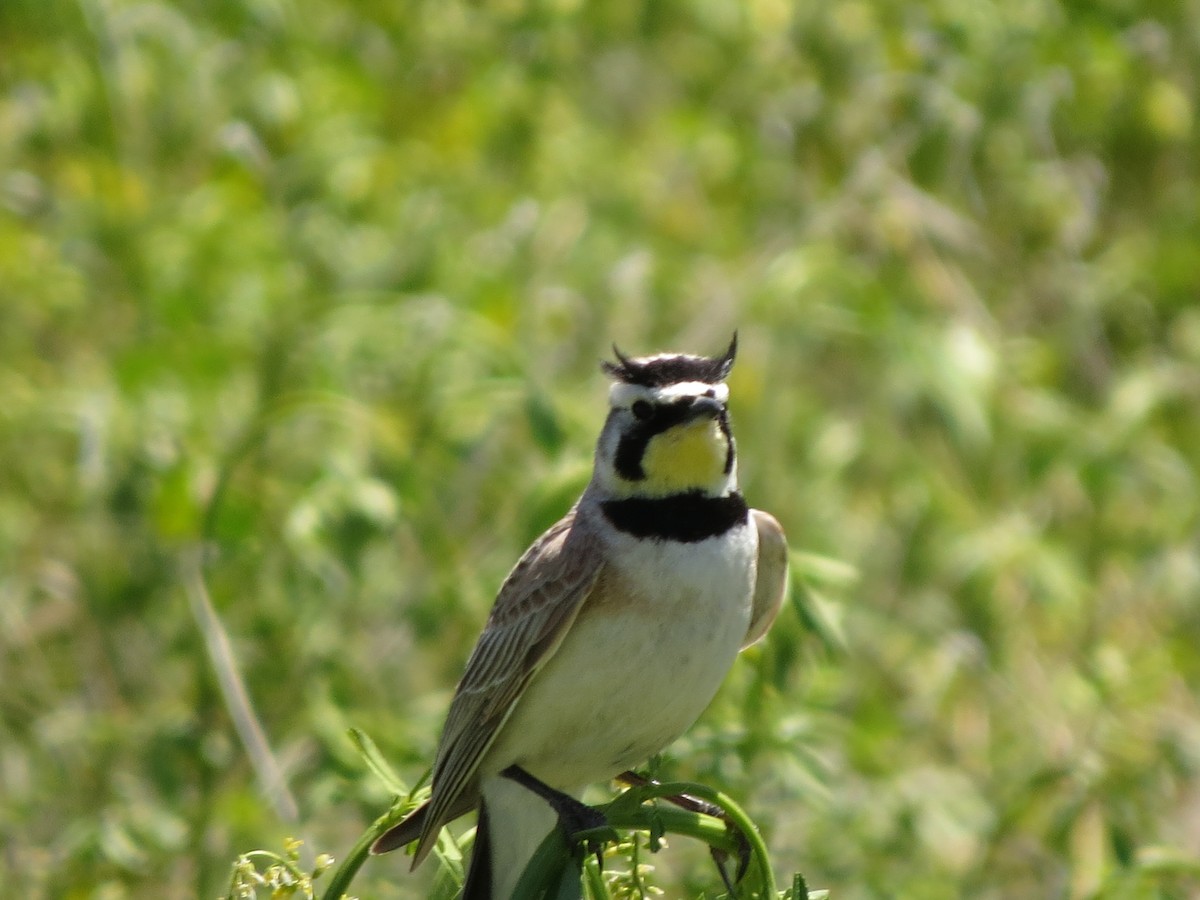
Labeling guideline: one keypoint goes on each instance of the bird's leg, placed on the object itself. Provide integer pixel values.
(573, 816)
(698, 805)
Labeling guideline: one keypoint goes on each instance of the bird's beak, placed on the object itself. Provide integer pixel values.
(705, 407)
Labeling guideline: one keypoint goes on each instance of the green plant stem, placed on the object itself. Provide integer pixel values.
(733, 813)
(345, 872)
(628, 811)
(349, 867)
(353, 861)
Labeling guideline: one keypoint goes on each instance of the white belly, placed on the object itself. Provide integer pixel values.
(639, 665)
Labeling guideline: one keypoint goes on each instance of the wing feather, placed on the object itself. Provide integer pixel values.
(770, 583)
(535, 607)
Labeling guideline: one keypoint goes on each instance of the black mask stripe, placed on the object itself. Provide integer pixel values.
(729, 451)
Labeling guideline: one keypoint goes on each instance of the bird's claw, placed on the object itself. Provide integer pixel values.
(579, 820)
(720, 857)
(699, 805)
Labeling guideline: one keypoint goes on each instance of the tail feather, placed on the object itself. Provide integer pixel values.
(478, 884)
(404, 833)
(500, 854)
(414, 826)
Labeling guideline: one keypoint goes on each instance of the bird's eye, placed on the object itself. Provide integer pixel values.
(641, 410)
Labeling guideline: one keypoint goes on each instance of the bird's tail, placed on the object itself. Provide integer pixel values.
(478, 884)
(404, 833)
(513, 822)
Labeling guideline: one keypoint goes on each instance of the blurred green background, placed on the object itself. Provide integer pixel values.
(307, 299)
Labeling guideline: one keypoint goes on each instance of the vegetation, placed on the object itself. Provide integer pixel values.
(300, 313)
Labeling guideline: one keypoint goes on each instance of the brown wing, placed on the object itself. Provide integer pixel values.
(536, 605)
(770, 583)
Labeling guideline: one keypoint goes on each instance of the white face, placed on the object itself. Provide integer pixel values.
(666, 440)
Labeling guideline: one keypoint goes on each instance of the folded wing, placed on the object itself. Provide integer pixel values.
(771, 581)
(535, 607)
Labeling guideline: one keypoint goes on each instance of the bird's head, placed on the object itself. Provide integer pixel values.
(667, 430)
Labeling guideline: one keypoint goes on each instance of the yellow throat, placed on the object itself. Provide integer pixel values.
(687, 457)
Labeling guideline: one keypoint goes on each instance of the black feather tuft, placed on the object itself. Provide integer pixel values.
(659, 371)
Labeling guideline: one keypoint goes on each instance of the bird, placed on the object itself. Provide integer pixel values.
(614, 630)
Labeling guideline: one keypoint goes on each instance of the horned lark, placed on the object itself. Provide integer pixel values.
(613, 632)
